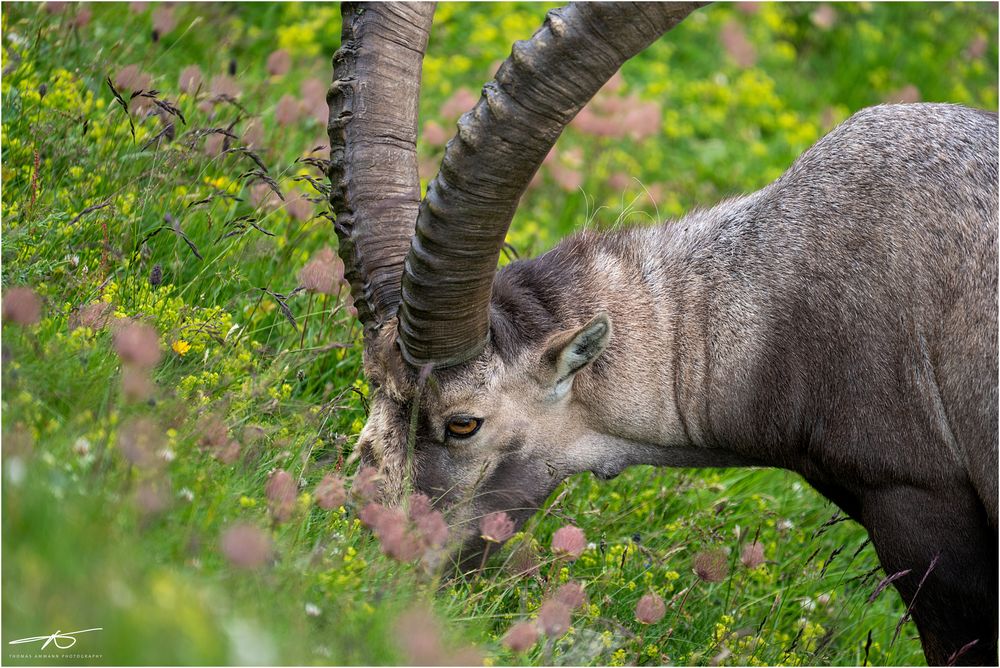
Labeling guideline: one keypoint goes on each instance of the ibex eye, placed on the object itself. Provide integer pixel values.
(463, 427)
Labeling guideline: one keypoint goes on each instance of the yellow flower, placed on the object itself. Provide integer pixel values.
(181, 347)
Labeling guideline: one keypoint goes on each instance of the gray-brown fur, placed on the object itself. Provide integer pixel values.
(841, 323)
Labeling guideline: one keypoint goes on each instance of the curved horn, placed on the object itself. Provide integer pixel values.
(500, 144)
(375, 192)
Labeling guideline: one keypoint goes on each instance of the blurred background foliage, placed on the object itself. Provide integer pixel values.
(139, 486)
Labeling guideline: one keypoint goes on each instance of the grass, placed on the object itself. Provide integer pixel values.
(92, 214)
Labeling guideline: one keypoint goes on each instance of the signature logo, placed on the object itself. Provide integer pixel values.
(57, 638)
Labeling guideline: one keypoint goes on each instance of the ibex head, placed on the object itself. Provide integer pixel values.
(498, 433)
(474, 401)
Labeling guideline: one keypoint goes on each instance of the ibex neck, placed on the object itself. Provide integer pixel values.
(676, 333)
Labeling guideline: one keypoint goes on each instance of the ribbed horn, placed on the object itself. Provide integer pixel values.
(374, 103)
(500, 144)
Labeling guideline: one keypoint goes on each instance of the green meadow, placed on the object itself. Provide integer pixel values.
(175, 386)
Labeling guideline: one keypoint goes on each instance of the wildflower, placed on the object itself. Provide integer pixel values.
(572, 595)
(371, 514)
(82, 17)
(711, 565)
(323, 272)
(136, 384)
(81, 447)
(139, 345)
(229, 453)
(163, 19)
(824, 17)
(253, 136)
(496, 527)
(313, 610)
(313, 93)
(650, 609)
(95, 316)
(905, 95)
(554, 618)
(138, 441)
(186, 494)
(523, 562)
(281, 492)
(181, 347)
(330, 492)
(419, 638)
(279, 62)
(214, 145)
(132, 79)
(252, 433)
(736, 45)
(752, 555)
(21, 306)
(432, 528)
(223, 85)
(152, 497)
(521, 637)
(567, 178)
(261, 195)
(434, 134)
(420, 505)
(299, 208)
(365, 485)
(246, 546)
(397, 540)
(977, 48)
(458, 104)
(213, 431)
(569, 542)
(190, 79)
(287, 111)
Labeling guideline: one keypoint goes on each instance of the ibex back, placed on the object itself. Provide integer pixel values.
(840, 323)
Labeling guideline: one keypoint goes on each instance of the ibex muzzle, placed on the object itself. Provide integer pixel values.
(840, 323)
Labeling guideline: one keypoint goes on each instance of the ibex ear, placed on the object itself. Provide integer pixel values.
(568, 352)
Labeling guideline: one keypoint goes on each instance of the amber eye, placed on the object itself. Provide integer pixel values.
(463, 426)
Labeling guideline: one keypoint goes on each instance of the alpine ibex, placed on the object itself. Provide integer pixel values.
(841, 322)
